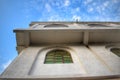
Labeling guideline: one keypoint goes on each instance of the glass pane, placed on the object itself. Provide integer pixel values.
(49, 56)
(50, 59)
(58, 61)
(66, 56)
(48, 62)
(68, 61)
(58, 56)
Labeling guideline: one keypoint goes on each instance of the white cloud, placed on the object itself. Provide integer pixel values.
(106, 4)
(73, 11)
(48, 7)
(87, 2)
(77, 9)
(55, 18)
(102, 18)
(98, 8)
(57, 4)
(5, 65)
(94, 4)
(66, 3)
(76, 18)
(90, 9)
(102, 7)
(115, 1)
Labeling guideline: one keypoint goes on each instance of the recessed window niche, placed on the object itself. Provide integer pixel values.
(56, 60)
(98, 25)
(115, 51)
(114, 48)
(55, 25)
(58, 56)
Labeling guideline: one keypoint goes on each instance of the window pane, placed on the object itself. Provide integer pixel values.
(58, 61)
(58, 56)
(67, 62)
(50, 57)
(48, 62)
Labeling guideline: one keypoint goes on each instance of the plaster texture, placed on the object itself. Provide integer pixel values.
(89, 44)
(91, 61)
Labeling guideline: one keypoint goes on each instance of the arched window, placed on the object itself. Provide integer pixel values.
(58, 56)
(56, 25)
(116, 51)
(98, 25)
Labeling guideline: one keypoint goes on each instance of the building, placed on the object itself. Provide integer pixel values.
(66, 51)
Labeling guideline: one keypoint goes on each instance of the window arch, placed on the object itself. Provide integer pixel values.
(56, 25)
(58, 56)
(116, 51)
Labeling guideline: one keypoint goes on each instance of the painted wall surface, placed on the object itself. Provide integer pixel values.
(94, 60)
(88, 43)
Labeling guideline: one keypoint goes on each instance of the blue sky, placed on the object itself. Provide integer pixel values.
(19, 13)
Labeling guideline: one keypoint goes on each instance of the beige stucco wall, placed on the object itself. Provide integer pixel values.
(39, 68)
(95, 60)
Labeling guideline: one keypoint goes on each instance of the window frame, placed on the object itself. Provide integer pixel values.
(58, 56)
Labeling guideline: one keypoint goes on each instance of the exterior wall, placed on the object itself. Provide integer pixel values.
(22, 64)
(71, 32)
(86, 37)
(104, 36)
(39, 68)
(73, 25)
(56, 37)
(91, 61)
